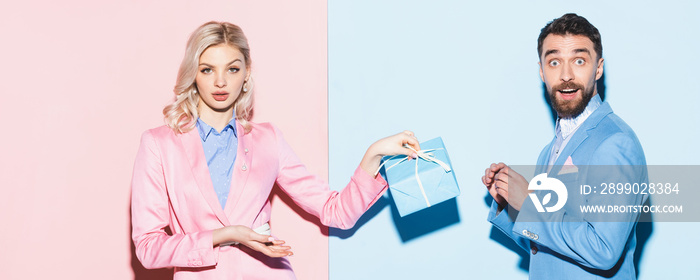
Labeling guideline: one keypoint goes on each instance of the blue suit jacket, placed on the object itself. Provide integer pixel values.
(569, 244)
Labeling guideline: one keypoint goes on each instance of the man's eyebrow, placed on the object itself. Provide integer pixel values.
(548, 52)
(585, 50)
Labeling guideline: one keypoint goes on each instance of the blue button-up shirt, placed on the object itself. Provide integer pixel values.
(220, 149)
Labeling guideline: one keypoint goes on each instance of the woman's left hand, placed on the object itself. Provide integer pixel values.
(389, 146)
(265, 244)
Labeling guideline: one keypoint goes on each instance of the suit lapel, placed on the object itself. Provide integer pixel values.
(543, 160)
(241, 168)
(581, 135)
(192, 144)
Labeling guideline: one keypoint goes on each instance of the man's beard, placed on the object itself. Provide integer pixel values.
(570, 108)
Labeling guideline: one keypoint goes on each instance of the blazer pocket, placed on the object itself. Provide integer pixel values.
(569, 179)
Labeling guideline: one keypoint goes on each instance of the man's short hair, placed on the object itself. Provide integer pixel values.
(571, 24)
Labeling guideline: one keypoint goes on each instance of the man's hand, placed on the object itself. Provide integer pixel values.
(510, 185)
(489, 182)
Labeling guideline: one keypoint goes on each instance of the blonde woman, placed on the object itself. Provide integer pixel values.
(207, 174)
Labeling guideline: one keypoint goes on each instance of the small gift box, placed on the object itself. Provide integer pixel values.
(419, 183)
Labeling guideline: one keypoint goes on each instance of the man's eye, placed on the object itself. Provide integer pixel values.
(234, 69)
(579, 61)
(205, 70)
(554, 63)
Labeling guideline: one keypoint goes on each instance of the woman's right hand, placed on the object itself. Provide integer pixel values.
(389, 146)
(265, 244)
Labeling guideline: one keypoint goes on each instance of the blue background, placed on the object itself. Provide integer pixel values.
(467, 71)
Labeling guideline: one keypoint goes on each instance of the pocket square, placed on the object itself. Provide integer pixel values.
(568, 167)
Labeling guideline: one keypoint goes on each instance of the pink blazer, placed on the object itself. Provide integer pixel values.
(171, 186)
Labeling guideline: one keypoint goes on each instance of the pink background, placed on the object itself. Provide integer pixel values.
(82, 79)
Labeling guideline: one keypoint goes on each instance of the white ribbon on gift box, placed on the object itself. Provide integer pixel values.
(425, 155)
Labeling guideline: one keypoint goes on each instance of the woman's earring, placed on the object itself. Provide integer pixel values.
(245, 86)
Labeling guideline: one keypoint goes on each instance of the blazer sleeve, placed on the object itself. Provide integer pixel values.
(150, 215)
(591, 239)
(502, 221)
(335, 209)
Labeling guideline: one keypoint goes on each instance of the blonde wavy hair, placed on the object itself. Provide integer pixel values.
(181, 116)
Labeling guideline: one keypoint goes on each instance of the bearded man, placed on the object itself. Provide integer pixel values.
(564, 242)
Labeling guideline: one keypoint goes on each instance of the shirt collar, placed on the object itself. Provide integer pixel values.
(569, 125)
(204, 129)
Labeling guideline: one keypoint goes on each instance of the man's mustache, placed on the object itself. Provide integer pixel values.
(566, 85)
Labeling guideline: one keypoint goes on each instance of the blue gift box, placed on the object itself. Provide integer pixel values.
(419, 183)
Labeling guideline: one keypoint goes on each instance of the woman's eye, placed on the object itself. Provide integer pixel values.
(579, 61)
(233, 69)
(554, 63)
(205, 70)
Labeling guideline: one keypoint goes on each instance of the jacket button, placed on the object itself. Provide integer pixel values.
(245, 150)
(533, 248)
(244, 168)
